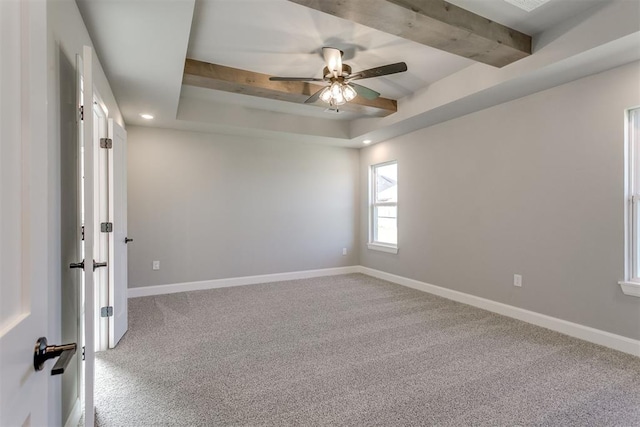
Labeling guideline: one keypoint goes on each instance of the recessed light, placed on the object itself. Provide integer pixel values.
(146, 116)
(366, 142)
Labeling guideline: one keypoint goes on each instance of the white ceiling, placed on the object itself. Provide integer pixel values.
(143, 57)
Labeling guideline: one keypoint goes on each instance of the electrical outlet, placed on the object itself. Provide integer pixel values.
(156, 265)
(344, 251)
(517, 280)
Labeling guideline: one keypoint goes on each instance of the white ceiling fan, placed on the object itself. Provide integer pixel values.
(341, 88)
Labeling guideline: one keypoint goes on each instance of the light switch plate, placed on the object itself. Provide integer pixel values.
(517, 280)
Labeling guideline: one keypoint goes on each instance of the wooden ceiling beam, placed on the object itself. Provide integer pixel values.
(434, 23)
(219, 77)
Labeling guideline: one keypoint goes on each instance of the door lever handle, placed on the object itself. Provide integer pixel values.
(44, 352)
(98, 264)
(79, 265)
(127, 240)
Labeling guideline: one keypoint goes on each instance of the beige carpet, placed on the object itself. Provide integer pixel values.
(352, 350)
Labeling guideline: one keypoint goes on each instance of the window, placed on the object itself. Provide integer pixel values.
(383, 215)
(631, 285)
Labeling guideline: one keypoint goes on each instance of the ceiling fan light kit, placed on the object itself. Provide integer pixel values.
(338, 75)
(337, 94)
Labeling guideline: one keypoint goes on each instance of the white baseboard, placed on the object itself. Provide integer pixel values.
(238, 281)
(74, 416)
(586, 333)
(596, 336)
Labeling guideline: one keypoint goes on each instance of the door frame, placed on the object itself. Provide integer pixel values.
(88, 200)
(101, 214)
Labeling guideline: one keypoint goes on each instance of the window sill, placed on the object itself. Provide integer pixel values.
(630, 288)
(383, 248)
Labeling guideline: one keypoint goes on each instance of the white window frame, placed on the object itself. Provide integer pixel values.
(631, 284)
(372, 244)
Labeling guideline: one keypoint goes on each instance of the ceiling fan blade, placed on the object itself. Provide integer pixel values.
(365, 92)
(398, 67)
(313, 98)
(333, 59)
(295, 79)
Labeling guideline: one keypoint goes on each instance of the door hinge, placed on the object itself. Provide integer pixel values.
(106, 311)
(82, 352)
(106, 143)
(82, 232)
(106, 227)
(81, 112)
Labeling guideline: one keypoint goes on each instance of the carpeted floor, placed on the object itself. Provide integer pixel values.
(352, 350)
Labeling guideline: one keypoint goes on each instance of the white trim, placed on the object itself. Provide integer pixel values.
(631, 201)
(586, 333)
(372, 243)
(238, 281)
(630, 288)
(382, 248)
(596, 336)
(74, 416)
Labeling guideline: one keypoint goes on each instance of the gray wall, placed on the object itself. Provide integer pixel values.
(211, 206)
(534, 187)
(531, 187)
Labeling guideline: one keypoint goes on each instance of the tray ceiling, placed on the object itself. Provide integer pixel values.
(144, 60)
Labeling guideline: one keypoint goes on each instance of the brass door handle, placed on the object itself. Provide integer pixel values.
(44, 352)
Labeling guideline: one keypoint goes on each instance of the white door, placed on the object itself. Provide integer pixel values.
(118, 323)
(89, 231)
(24, 262)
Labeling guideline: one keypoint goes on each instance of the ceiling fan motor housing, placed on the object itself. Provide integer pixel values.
(346, 71)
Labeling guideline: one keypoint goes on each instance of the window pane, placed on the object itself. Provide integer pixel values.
(386, 224)
(386, 183)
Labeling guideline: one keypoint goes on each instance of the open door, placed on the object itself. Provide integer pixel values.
(88, 203)
(24, 258)
(118, 323)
